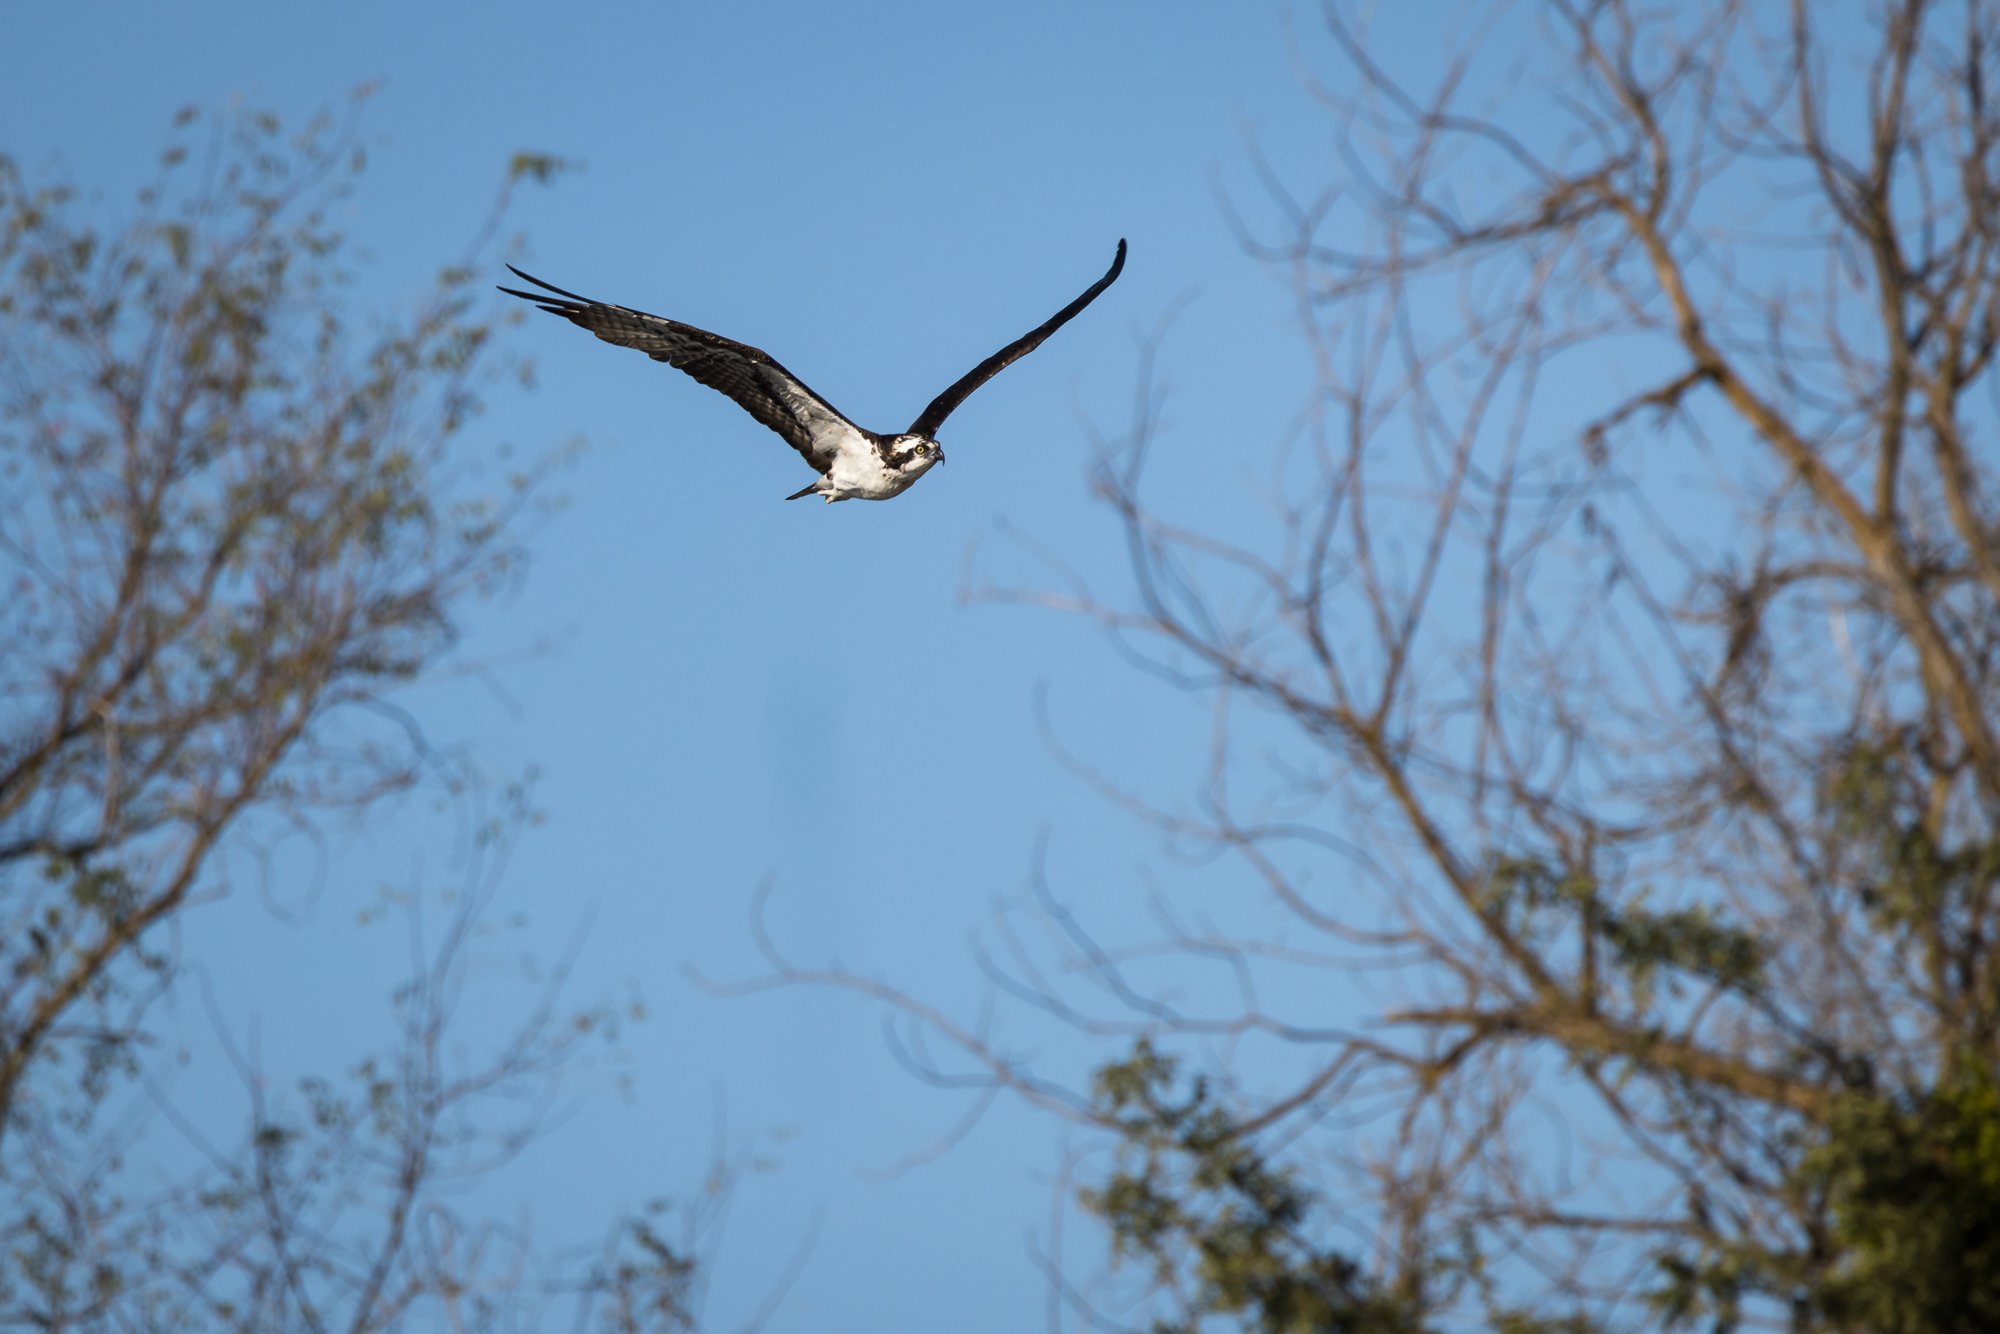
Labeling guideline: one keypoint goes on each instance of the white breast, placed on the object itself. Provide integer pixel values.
(859, 474)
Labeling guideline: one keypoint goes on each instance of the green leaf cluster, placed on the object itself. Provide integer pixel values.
(1190, 1184)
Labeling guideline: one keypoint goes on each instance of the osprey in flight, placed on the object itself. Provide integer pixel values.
(853, 462)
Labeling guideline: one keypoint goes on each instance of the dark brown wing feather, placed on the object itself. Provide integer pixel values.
(943, 405)
(763, 388)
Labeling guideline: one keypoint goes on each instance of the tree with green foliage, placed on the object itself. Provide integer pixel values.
(233, 530)
(1607, 709)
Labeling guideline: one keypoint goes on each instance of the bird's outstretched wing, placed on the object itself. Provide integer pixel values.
(943, 405)
(763, 388)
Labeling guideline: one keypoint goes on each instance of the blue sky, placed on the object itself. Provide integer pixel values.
(878, 194)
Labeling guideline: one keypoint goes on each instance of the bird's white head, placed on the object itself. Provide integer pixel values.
(913, 455)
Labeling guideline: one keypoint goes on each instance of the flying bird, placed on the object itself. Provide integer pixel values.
(854, 463)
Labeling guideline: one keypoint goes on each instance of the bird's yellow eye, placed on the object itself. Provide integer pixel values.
(923, 450)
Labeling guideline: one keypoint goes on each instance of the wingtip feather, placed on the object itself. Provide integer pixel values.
(527, 277)
(542, 302)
